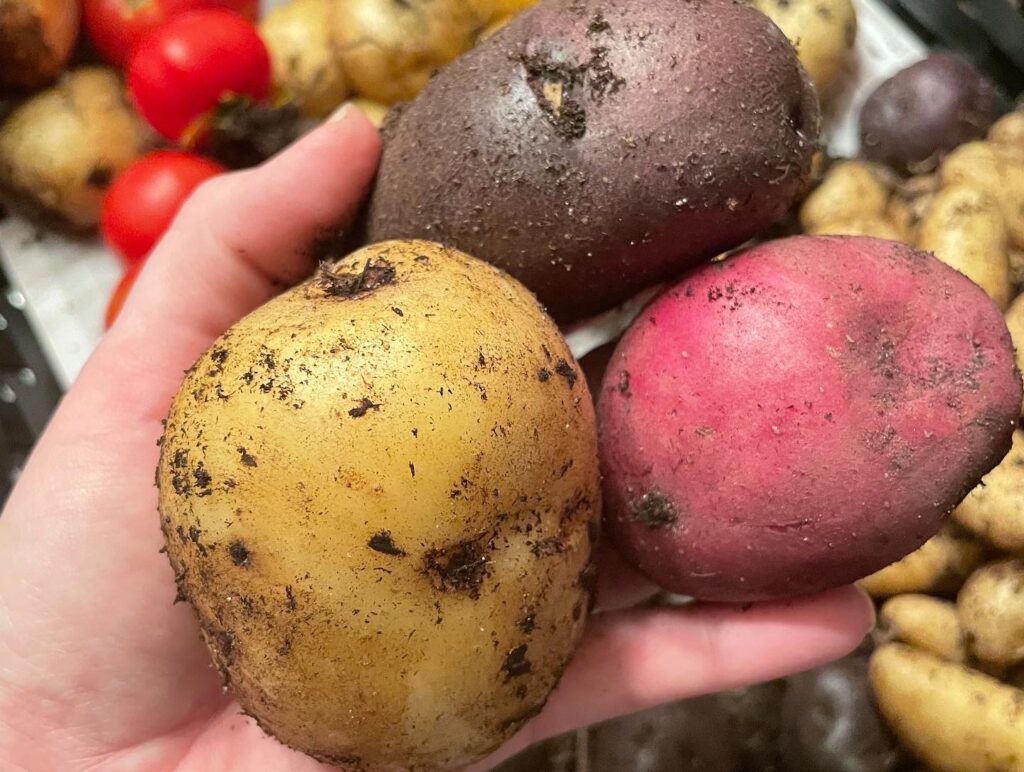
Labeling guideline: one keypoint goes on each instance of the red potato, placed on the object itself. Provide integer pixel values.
(801, 415)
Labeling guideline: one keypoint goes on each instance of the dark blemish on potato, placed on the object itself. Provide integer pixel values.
(623, 384)
(415, 432)
(688, 291)
(225, 646)
(565, 468)
(521, 691)
(438, 619)
(375, 274)
(383, 542)
(194, 534)
(655, 509)
(543, 375)
(422, 258)
(460, 567)
(705, 431)
(516, 663)
(363, 407)
(412, 469)
(543, 548)
(566, 370)
(99, 177)
(528, 623)
(289, 598)
(239, 554)
(598, 24)
(181, 534)
(398, 311)
(577, 611)
(285, 647)
(246, 459)
(587, 580)
(828, 417)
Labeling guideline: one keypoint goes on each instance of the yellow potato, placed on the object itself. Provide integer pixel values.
(878, 227)
(965, 229)
(851, 190)
(910, 203)
(375, 111)
(379, 492)
(939, 566)
(60, 150)
(305, 59)
(953, 718)
(990, 607)
(36, 40)
(1016, 260)
(927, 623)
(1008, 130)
(823, 33)
(996, 169)
(995, 509)
(389, 49)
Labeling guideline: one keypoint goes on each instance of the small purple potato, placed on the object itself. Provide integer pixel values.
(830, 722)
(926, 110)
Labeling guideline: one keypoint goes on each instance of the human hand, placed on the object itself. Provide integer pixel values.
(99, 670)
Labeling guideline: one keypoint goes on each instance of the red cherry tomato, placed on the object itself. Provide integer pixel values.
(119, 295)
(116, 26)
(146, 196)
(180, 72)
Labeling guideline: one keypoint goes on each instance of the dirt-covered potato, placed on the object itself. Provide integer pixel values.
(996, 169)
(953, 718)
(938, 566)
(594, 148)
(965, 229)
(36, 40)
(878, 227)
(917, 116)
(382, 505)
(823, 33)
(60, 150)
(850, 390)
(928, 623)
(1008, 130)
(390, 49)
(995, 509)
(850, 190)
(830, 722)
(990, 607)
(304, 55)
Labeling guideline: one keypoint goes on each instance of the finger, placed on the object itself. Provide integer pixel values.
(634, 660)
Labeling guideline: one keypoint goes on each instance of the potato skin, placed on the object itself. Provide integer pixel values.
(850, 190)
(951, 717)
(593, 148)
(995, 509)
(990, 607)
(382, 507)
(36, 39)
(939, 566)
(928, 623)
(889, 385)
(926, 110)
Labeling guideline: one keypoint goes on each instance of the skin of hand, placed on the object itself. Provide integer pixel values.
(100, 670)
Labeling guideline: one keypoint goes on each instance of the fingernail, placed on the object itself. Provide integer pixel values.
(341, 113)
(872, 611)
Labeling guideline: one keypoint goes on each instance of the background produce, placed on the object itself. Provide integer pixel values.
(36, 39)
(463, 463)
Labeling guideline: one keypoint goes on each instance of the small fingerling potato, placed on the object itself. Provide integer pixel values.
(61, 149)
(951, 717)
(390, 49)
(926, 110)
(990, 607)
(823, 33)
(996, 169)
(928, 623)
(938, 566)
(994, 511)
(381, 506)
(966, 230)
(304, 56)
(851, 190)
(36, 40)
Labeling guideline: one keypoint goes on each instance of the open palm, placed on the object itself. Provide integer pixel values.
(100, 670)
